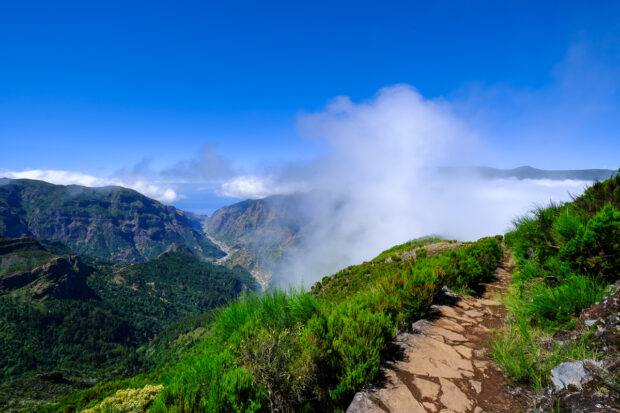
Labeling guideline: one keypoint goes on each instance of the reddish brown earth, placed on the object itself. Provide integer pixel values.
(443, 365)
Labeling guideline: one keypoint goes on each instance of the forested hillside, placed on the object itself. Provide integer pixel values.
(74, 320)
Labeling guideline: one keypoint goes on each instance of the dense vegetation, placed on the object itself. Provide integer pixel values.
(113, 223)
(307, 351)
(566, 255)
(176, 284)
(22, 254)
(98, 327)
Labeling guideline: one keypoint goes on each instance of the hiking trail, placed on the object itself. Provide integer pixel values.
(443, 365)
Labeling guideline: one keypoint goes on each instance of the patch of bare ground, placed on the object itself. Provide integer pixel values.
(442, 364)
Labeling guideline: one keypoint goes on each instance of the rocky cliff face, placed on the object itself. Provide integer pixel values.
(258, 232)
(279, 216)
(114, 223)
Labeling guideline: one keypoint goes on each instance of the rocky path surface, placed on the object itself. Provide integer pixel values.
(443, 364)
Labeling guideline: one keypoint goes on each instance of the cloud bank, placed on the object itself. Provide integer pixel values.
(379, 188)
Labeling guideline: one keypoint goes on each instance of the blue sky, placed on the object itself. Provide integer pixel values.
(99, 87)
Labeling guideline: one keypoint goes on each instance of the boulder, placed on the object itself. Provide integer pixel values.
(572, 373)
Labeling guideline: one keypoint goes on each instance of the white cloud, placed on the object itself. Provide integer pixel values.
(530, 190)
(160, 191)
(255, 187)
(56, 177)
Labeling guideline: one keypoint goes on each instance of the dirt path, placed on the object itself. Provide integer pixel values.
(443, 365)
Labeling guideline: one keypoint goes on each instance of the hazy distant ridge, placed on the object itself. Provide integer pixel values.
(528, 172)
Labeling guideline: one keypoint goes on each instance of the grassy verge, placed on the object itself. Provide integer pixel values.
(525, 348)
(565, 256)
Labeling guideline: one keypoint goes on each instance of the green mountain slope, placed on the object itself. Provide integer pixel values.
(114, 223)
(171, 286)
(84, 319)
(22, 254)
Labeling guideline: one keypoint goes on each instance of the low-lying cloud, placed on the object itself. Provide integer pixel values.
(380, 186)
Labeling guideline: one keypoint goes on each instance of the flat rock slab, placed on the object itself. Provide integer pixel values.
(445, 367)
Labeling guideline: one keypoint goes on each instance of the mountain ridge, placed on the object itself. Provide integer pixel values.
(110, 222)
(529, 172)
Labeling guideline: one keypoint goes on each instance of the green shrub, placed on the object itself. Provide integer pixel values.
(599, 195)
(595, 248)
(280, 363)
(567, 223)
(127, 401)
(209, 380)
(358, 335)
(421, 286)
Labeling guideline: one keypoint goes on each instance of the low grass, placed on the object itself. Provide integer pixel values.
(527, 354)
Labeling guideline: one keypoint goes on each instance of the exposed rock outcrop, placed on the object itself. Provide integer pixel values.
(257, 233)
